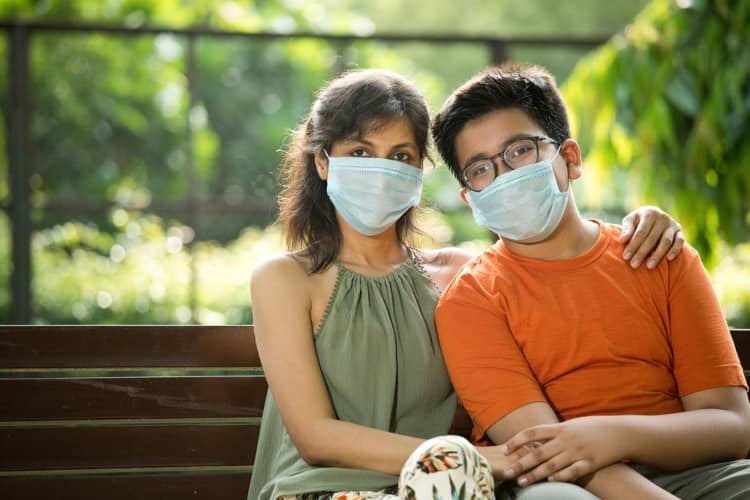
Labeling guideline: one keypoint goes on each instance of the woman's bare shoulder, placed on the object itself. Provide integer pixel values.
(446, 258)
(287, 268)
(442, 264)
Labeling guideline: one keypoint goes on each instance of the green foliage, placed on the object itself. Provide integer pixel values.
(143, 273)
(663, 114)
(730, 278)
(665, 105)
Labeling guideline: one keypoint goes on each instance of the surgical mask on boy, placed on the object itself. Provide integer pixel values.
(372, 193)
(523, 205)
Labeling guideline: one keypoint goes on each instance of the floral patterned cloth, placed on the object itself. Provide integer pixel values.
(445, 467)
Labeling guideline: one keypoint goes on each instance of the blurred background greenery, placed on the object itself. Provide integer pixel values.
(123, 147)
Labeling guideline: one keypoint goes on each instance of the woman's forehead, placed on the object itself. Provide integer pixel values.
(395, 128)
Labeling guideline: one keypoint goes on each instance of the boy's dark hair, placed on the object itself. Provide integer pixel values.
(532, 89)
(352, 105)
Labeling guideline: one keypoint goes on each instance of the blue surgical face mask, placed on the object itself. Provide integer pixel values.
(372, 193)
(523, 205)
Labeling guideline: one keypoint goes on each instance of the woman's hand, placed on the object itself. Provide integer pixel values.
(650, 233)
(565, 451)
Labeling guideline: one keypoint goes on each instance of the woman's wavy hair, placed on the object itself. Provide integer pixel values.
(350, 106)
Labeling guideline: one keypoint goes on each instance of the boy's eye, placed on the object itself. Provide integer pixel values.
(401, 156)
(480, 170)
(359, 152)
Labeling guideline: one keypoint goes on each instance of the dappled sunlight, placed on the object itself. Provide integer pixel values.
(731, 277)
(661, 116)
(155, 155)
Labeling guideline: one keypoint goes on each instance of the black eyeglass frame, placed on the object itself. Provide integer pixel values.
(534, 138)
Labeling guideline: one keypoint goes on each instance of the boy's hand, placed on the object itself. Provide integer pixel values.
(565, 451)
(499, 460)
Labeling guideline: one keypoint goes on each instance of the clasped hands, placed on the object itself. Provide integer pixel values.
(565, 451)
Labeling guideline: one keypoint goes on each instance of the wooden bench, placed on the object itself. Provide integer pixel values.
(137, 412)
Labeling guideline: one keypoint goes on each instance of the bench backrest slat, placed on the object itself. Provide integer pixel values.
(125, 444)
(132, 397)
(146, 412)
(127, 346)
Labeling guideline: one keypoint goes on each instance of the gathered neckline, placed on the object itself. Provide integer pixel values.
(396, 271)
(410, 263)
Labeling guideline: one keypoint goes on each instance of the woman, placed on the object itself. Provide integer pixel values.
(344, 322)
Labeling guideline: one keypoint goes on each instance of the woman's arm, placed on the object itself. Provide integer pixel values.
(649, 233)
(284, 335)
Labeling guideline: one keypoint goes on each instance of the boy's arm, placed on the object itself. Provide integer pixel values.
(615, 481)
(714, 427)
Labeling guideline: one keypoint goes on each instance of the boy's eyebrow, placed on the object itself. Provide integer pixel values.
(514, 138)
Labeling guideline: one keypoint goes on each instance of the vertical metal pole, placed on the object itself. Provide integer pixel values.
(342, 61)
(192, 195)
(18, 125)
(499, 52)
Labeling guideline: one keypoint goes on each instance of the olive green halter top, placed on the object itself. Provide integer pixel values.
(380, 358)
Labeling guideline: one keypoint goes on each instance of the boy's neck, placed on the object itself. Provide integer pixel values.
(573, 237)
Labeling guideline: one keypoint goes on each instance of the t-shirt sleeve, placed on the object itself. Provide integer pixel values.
(485, 364)
(704, 354)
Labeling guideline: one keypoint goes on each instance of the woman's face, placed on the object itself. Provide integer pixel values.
(393, 139)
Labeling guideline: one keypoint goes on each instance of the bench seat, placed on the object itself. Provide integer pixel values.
(137, 412)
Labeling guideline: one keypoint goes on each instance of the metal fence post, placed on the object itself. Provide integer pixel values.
(192, 202)
(18, 126)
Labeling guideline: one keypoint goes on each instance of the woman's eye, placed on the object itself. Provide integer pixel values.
(359, 152)
(401, 156)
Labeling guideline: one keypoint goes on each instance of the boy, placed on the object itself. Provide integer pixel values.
(552, 341)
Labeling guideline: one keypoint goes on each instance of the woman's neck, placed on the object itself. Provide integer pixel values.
(379, 253)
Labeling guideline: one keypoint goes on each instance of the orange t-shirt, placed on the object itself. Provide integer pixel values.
(588, 335)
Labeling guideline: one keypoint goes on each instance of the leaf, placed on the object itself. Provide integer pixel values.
(682, 92)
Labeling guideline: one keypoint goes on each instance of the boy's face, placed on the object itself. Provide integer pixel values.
(492, 133)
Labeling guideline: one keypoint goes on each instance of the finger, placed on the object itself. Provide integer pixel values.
(538, 433)
(677, 244)
(665, 243)
(628, 223)
(532, 445)
(641, 231)
(572, 472)
(545, 469)
(533, 459)
(648, 242)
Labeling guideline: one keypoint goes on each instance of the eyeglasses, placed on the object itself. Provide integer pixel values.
(480, 173)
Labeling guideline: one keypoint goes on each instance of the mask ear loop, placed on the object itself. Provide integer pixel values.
(326, 153)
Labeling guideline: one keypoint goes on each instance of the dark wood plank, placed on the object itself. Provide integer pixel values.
(741, 337)
(126, 346)
(461, 423)
(174, 487)
(138, 397)
(139, 446)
